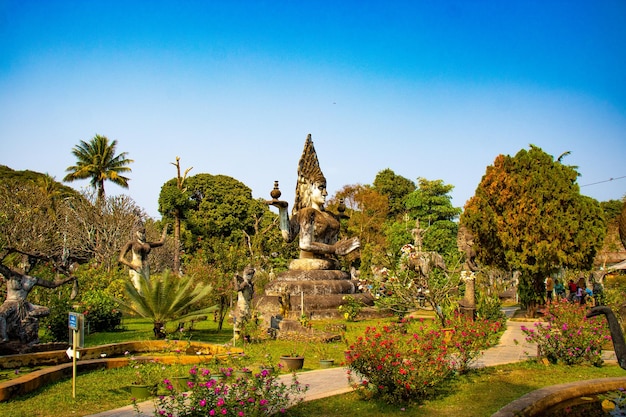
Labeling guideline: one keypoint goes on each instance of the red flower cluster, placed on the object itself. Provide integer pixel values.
(408, 360)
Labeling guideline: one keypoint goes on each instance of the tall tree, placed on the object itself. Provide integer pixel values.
(528, 215)
(96, 160)
(176, 202)
(367, 211)
(396, 188)
(431, 204)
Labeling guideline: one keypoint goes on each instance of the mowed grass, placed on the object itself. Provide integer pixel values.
(479, 393)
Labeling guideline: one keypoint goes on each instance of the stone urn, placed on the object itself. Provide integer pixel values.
(292, 363)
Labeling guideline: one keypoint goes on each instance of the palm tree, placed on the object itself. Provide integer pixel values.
(97, 161)
(166, 298)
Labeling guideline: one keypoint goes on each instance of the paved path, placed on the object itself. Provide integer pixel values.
(327, 382)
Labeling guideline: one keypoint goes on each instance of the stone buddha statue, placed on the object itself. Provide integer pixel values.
(318, 229)
(314, 280)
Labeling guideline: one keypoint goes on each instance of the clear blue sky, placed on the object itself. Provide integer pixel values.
(433, 89)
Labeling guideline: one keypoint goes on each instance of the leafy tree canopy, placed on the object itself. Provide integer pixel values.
(431, 203)
(528, 214)
(96, 160)
(395, 188)
(213, 206)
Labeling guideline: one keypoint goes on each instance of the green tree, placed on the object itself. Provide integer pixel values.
(365, 216)
(96, 160)
(219, 207)
(175, 202)
(431, 204)
(528, 215)
(396, 188)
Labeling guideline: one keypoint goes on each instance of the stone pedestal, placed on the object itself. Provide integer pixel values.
(468, 304)
(316, 292)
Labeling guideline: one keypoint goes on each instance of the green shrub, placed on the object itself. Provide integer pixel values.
(489, 307)
(410, 360)
(102, 313)
(350, 308)
(55, 325)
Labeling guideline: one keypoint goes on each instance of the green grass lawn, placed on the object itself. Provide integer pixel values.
(479, 393)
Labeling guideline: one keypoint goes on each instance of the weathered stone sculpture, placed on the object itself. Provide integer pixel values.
(19, 319)
(140, 249)
(465, 243)
(245, 292)
(315, 278)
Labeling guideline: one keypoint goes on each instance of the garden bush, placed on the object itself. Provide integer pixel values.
(55, 325)
(259, 395)
(101, 312)
(567, 336)
(469, 338)
(408, 361)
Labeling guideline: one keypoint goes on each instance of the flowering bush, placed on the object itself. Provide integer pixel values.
(409, 360)
(567, 336)
(397, 366)
(350, 308)
(468, 339)
(260, 395)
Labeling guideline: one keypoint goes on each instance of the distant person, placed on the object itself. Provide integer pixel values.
(559, 289)
(581, 292)
(549, 289)
(573, 289)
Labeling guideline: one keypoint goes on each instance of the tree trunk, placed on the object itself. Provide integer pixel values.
(177, 242)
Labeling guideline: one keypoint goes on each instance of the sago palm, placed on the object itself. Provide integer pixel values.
(96, 160)
(165, 298)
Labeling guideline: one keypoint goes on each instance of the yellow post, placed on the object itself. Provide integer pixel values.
(74, 347)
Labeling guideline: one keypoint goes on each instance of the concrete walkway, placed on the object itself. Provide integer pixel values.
(327, 382)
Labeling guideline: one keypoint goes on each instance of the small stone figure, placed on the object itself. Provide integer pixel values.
(284, 300)
(140, 249)
(245, 292)
(465, 243)
(19, 319)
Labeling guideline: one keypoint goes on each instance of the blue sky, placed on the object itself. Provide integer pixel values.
(433, 89)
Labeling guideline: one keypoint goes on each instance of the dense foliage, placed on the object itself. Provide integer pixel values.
(102, 312)
(431, 204)
(259, 395)
(96, 160)
(528, 214)
(567, 336)
(410, 360)
(395, 188)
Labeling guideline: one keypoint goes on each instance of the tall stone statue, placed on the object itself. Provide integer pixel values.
(245, 291)
(315, 280)
(19, 319)
(139, 248)
(318, 229)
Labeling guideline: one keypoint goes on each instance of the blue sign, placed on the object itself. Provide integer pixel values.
(73, 321)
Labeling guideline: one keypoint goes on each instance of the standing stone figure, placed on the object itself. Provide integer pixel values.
(19, 319)
(465, 243)
(140, 249)
(245, 292)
